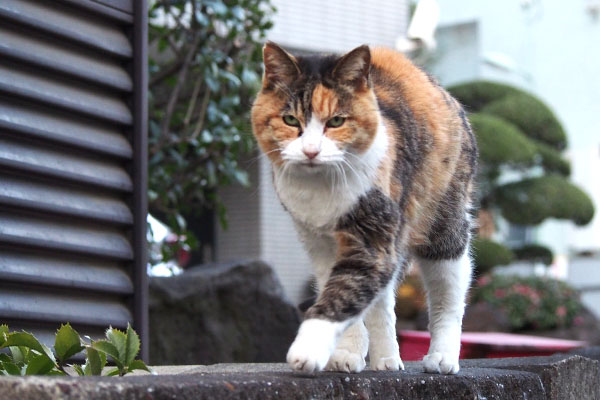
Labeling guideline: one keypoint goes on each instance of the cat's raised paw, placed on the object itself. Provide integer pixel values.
(441, 363)
(345, 361)
(393, 363)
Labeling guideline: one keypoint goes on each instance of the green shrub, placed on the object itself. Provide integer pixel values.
(532, 116)
(552, 161)
(205, 67)
(488, 254)
(477, 94)
(529, 302)
(534, 253)
(501, 142)
(532, 200)
(28, 356)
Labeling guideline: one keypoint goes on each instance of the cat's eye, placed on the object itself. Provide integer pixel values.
(336, 122)
(291, 120)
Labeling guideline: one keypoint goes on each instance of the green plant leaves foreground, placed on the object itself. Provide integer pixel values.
(28, 356)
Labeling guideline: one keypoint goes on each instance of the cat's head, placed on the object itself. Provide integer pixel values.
(315, 111)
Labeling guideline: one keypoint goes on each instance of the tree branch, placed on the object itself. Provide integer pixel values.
(164, 126)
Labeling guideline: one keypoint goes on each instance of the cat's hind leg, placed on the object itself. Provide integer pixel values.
(446, 283)
(445, 266)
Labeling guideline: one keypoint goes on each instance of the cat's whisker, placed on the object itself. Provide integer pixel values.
(262, 155)
(358, 176)
(332, 188)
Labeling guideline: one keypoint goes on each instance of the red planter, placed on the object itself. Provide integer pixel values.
(414, 345)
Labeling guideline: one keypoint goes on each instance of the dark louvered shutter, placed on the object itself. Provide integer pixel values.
(72, 165)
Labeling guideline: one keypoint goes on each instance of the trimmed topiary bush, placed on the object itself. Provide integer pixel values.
(534, 253)
(487, 254)
(532, 116)
(518, 133)
(476, 95)
(501, 142)
(552, 161)
(532, 200)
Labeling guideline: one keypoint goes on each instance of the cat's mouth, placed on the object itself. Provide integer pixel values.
(312, 165)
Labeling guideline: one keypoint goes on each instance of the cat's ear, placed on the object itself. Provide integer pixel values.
(280, 66)
(354, 67)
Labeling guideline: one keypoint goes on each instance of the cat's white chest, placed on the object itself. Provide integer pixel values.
(318, 202)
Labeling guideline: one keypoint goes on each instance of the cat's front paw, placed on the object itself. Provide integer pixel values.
(393, 363)
(441, 363)
(307, 357)
(313, 345)
(345, 361)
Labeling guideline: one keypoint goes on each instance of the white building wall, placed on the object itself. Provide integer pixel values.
(338, 25)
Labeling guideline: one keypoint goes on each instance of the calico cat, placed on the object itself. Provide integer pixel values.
(375, 163)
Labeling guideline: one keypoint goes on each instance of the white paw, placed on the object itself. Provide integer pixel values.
(307, 357)
(393, 363)
(344, 361)
(314, 345)
(441, 363)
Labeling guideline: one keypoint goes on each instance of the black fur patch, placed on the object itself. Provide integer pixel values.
(367, 264)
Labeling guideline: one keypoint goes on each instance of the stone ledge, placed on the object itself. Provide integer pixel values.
(555, 377)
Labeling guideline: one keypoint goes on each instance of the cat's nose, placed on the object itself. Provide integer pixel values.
(311, 152)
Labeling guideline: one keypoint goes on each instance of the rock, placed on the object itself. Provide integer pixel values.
(213, 313)
(549, 378)
(482, 317)
(563, 376)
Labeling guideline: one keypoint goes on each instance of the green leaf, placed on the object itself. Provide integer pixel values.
(26, 339)
(132, 345)
(67, 343)
(108, 349)
(11, 368)
(119, 340)
(78, 369)
(113, 372)
(138, 364)
(38, 364)
(17, 355)
(3, 333)
(5, 358)
(95, 361)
